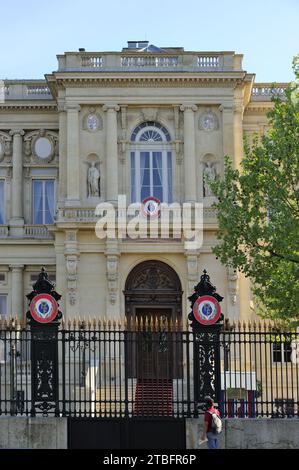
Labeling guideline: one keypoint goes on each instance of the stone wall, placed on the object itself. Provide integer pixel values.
(249, 434)
(33, 433)
(51, 433)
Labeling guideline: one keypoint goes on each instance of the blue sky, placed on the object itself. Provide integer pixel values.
(32, 32)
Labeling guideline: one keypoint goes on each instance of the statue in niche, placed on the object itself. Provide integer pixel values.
(93, 181)
(209, 174)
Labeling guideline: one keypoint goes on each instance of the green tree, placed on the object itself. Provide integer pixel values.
(258, 211)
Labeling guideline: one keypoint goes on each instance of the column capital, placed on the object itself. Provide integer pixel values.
(61, 108)
(111, 107)
(226, 107)
(72, 107)
(16, 267)
(188, 107)
(14, 132)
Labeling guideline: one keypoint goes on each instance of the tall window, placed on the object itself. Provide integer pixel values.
(2, 211)
(43, 202)
(3, 305)
(151, 162)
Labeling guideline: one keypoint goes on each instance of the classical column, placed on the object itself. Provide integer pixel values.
(111, 152)
(73, 170)
(189, 152)
(17, 290)
(17, 217)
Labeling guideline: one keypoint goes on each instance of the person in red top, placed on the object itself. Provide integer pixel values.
(212, 438)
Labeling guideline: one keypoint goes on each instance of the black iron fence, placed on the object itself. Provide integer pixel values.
(145, 368)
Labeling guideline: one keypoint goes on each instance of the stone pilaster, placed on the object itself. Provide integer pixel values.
(72, 255)
(232, 130)
(73, 167)
(112, 254)
(189, 152)
(17, 216)
(238, 132)
(192, 258)
(17, 290)
(227, 111)
(111, 152)
(61, 196)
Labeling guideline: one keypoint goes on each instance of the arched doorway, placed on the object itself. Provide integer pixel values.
(153, 290)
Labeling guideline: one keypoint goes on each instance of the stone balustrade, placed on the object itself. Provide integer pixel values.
(23, 90)
(92, 61)
(149, 61)
(265, 91)
(87, 215)
(140, 61)
(30, 231)
(36, 231)
(4, 231)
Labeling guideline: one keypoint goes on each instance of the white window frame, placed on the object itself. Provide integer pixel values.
(32, 197)
(6, 298)
(283, 352)
(164, 147)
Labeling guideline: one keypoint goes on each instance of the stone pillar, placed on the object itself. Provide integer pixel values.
(238, 133)
(62, 153)
(17, 290)
(111, 152)
(189, 152)
(72, 256)
(112, 254)
(73, 169)
(227, 129)
(192, 261)
(17, 216)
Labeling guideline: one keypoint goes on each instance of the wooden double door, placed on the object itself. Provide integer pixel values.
(151, 352)
(155, 344)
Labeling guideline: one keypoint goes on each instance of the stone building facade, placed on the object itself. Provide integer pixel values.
(145, 121)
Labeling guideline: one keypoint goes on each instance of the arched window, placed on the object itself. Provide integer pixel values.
(151, 162)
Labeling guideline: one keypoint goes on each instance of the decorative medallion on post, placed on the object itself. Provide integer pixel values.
(44, 316)
(206, 321)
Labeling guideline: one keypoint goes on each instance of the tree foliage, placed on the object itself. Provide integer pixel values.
(258, 211)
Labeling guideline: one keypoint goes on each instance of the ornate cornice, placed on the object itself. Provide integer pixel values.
(28, 106)
(148, 81)
(259, 107)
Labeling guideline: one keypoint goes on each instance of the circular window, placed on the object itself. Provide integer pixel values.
(43, 147)
(92, 122)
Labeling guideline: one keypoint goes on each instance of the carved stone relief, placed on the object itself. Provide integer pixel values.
(41, 146)
(71, 269)
(192, 271)
(5, 146)
(208, 121)
(112, 277)
(232, 281)
(92, 121)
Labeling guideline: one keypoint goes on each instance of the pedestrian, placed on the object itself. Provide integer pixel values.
(212, 424)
